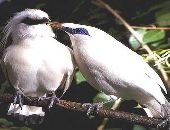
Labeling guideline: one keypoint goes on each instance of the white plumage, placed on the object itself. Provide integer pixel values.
(34, 62)
(114, 69)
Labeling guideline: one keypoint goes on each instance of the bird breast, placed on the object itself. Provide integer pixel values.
(36, 63)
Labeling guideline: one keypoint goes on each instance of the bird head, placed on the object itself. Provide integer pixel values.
(76, 32)
(27, 23)
(83, 34)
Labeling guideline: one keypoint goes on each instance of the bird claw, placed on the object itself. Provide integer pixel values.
(165, 123)
(41, 98)
(53, 99)
(92, 107)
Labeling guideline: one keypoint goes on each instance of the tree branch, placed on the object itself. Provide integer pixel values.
(78, 107)
(151, 28)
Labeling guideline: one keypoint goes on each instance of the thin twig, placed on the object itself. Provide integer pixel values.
(78, 107)
(150, 28)
(134, 33)
(105, 120)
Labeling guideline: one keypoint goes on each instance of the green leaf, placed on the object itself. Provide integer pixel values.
(157, 44)
(132, 40)
(160, 5)
(5, 123)
(9, 125)
(153, 36)
(79, 77)
(155, 8)
(138, 127)
(101, 97)
(164, 46)
(162, 17)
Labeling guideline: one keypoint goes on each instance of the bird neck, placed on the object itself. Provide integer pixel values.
(81, 45)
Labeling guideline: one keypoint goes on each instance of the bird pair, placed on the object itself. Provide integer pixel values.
(35, 63)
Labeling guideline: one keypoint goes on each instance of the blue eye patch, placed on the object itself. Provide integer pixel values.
(76, 31)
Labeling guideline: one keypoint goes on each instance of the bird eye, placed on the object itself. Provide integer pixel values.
(81, 31)
(31, 21)
(76, 31)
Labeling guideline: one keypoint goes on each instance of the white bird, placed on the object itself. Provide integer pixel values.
(34, 63)
(114, 69)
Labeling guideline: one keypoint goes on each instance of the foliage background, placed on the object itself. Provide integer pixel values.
(135, 12)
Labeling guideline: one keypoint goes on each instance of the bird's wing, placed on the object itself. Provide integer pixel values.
(155, 77)
(135, 62)
(2, 61)
(2, 72)
(68, 81)
(143, 67)
(147, 70)
(68, 77)
(65, 83)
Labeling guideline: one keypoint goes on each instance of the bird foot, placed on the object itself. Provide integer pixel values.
(42, 98)
(53, 99)
(164, 124)
(92, 107)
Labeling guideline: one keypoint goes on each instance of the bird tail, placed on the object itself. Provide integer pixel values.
(155, 109)
(27, 115)
(166, 109)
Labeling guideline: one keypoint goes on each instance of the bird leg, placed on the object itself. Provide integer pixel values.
(166, 121)
(18, 97)
(53, 99)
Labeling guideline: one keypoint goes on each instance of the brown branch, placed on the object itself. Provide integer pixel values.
(101, 3)
(78, 107)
